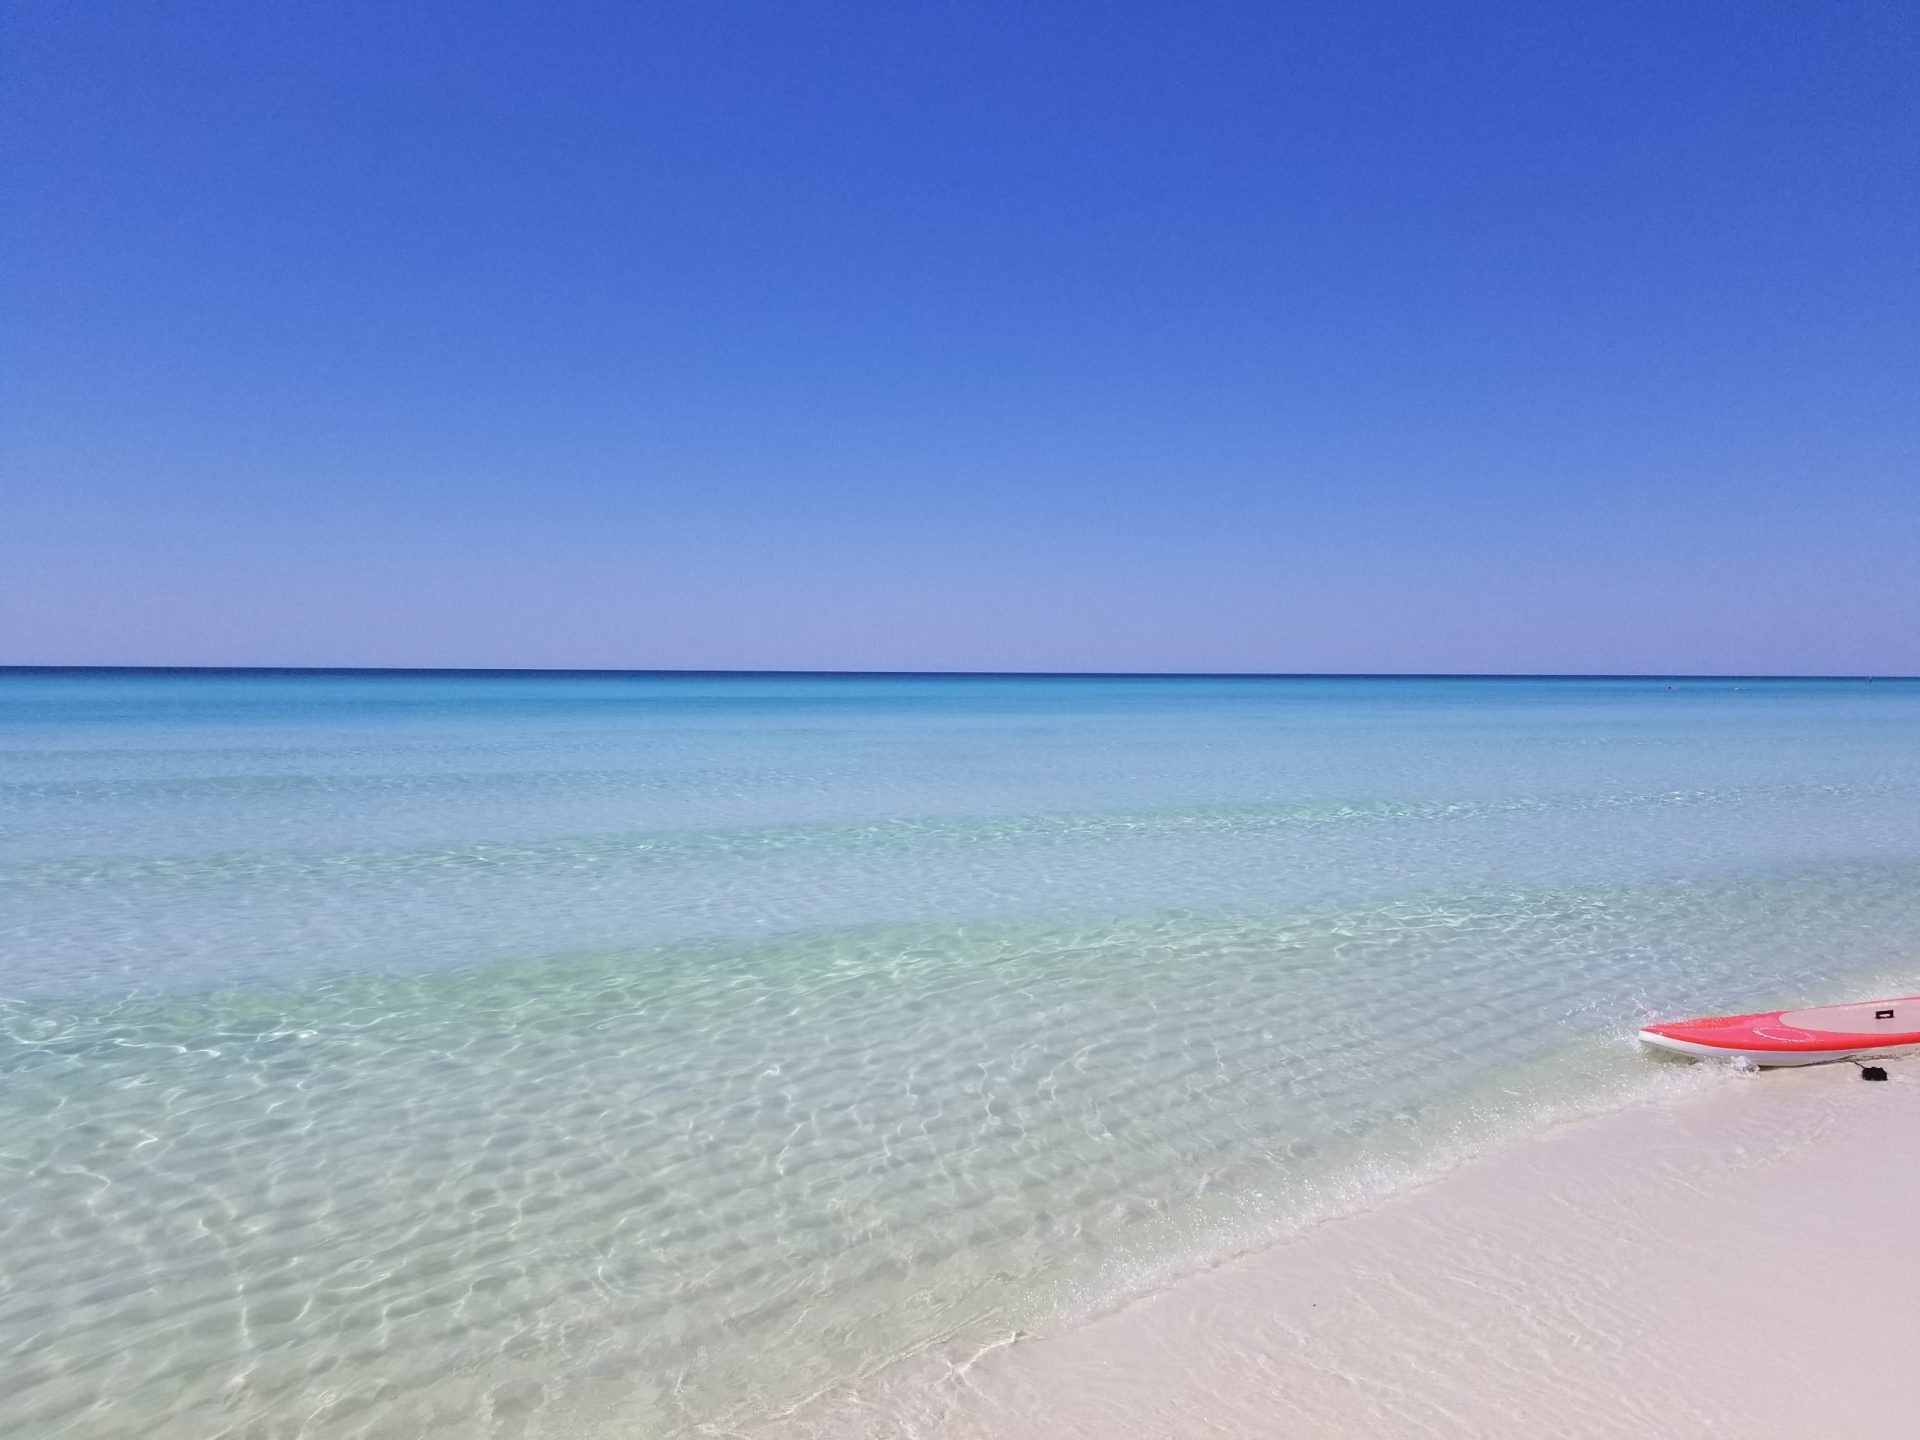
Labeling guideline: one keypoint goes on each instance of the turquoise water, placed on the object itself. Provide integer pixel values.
(494, 1056)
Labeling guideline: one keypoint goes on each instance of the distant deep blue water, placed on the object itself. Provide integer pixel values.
(421, 1054)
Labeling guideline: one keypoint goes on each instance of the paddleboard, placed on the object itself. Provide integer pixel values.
(1796, 1037)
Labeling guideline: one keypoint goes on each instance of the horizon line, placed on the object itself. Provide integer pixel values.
(537, 671)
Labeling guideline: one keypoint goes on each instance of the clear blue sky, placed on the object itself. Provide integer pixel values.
(1491, 337)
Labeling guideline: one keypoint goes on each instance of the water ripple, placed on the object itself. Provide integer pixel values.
(665, 1187)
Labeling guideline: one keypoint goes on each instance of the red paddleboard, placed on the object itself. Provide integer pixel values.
(1796, 1037)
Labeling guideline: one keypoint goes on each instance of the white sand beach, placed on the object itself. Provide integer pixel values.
(1739, 1263)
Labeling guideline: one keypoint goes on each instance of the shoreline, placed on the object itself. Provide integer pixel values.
(1735, 1260)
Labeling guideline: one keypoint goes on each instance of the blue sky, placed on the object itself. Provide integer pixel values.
(1482, 337)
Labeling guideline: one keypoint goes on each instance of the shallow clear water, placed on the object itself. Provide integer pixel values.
(475, 1056)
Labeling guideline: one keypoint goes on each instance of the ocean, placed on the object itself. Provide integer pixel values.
(423, 1054)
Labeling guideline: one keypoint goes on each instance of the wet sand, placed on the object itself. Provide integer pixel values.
(1744, 1262)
